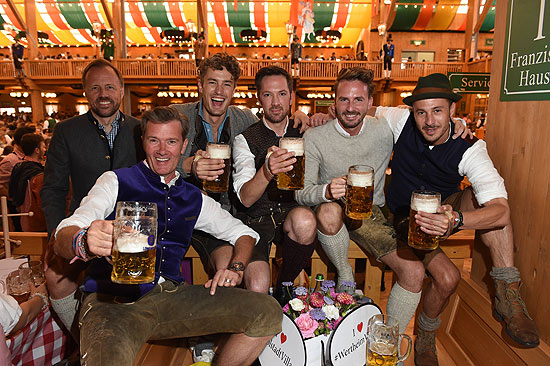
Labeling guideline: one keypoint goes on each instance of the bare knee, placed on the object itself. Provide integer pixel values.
(329, 218)
(301, 225)
(257, 277)
(447, 281)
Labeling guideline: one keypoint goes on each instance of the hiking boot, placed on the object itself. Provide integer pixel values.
(509, 306)
(425, 353)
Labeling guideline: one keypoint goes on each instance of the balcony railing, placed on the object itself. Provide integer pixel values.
(179, 70)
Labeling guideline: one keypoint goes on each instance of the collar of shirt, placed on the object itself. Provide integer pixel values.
(340, 129)
(170, 183)
(208, 127)
(266, 125)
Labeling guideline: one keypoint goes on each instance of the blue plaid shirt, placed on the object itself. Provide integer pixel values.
(114, 130)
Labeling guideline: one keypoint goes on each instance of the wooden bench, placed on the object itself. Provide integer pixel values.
(458, 247)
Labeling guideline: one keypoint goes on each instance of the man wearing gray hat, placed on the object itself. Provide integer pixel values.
(425, 157)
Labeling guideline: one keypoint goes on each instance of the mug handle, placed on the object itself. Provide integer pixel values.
(408, 352)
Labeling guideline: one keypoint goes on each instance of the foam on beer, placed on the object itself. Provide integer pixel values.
(425, 204)
(219, 151)
(132, 243)
(363, 179)
(296, 145)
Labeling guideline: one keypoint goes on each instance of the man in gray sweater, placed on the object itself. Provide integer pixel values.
(355, 138)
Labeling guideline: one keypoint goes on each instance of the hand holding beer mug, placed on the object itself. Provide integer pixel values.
(221, 152)
(359, 192)
(293, 180)
(423, 201)
(134, 247)
(384, 341)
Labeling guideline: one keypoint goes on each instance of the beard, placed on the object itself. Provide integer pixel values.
(95, 107)
(274, 118)
(342, 119)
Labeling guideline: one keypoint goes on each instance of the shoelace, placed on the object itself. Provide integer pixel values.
(514, 298)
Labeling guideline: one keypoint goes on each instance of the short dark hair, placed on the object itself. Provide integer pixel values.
(217, 62)
(29, 142)
(272, 71)
(101, 63)
(165, 115)
(19, 132)
(366, 76)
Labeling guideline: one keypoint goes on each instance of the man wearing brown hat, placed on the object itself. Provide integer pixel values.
(425, 157)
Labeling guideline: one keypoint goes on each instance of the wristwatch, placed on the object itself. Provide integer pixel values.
(237, 267)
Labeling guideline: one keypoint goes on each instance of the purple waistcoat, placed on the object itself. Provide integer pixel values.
(178, 209)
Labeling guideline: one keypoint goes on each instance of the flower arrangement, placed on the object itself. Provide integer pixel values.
(319, 312)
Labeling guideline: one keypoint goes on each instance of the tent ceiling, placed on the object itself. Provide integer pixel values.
(71, 22)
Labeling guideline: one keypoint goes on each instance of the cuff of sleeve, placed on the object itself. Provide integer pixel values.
(323, 197)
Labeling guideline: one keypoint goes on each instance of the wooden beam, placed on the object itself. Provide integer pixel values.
(472, 8)
(390, 16)
(107, 14)
(481, 19)
(30, 36)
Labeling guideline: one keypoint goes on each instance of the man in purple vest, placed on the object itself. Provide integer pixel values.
(425, 157)
(117, 319)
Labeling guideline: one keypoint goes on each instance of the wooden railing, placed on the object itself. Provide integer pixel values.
(180, 70)
(483, 65)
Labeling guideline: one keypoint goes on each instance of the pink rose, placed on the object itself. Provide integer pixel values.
(307, 325)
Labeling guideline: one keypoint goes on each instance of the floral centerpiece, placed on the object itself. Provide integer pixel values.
(320, 311)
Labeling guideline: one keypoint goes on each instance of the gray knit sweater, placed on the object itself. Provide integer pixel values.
(329, 154)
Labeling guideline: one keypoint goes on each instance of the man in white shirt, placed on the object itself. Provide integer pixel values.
(273, 213)
(117, 319)
(425, 157)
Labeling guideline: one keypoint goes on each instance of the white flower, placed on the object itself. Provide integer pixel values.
(331, 312)
(297, 304)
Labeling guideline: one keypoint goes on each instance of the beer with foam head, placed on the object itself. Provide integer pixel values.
(359, 192)
(222, 152)
(293, 180)
(423, 201)
(134, 247)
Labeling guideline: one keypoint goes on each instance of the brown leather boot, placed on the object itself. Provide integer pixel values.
(510, 307)
(425, 353)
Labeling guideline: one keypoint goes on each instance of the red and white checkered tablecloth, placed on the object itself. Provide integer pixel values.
(40, 343)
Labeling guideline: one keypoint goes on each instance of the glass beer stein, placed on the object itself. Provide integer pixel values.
(19, 284)
(135, 242)
(384, 341)
(428, 202)
(359, 192)
(223, 152)
(293, 180)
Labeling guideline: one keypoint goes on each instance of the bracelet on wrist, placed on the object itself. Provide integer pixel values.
(45, 300)
(80, 246)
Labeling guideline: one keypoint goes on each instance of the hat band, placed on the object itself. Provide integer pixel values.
(431, 90)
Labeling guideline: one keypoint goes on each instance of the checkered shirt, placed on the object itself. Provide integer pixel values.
(40, 343)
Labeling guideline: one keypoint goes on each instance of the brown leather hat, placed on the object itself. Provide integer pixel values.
(432, 86)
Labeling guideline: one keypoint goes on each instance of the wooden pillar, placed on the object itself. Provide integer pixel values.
(37, 105)
(119, 28)
(30, 17)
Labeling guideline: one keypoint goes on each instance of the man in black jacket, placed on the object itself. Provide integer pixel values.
(81, 149)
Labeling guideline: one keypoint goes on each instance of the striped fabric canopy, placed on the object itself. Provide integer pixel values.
(71, 22)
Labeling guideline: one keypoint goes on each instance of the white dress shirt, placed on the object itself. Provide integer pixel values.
(10, 312)
(102, 198)
(244, 167)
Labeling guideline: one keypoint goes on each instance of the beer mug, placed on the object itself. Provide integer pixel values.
(384, 341)
(293, 180)
(134, 246)
(37, 271)
(359, 192)
(223, 152)
(19, 284)
(428, 202)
